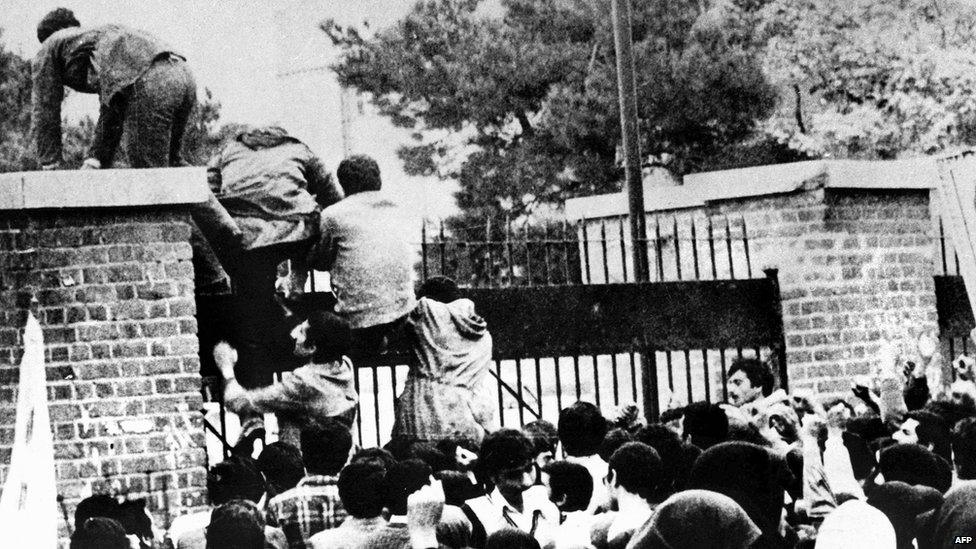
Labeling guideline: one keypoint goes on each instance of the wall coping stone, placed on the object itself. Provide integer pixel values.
(701, 189)
(102, 188)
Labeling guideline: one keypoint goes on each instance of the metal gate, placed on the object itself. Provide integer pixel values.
(568, 325)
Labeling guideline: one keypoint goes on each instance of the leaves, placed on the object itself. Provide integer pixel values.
(530, 98)
(876, 79)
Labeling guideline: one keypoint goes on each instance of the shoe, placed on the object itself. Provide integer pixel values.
(251, 431)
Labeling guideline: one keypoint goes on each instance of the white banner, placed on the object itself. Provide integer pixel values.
(28, 504)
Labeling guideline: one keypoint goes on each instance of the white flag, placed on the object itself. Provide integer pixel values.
(28, 504)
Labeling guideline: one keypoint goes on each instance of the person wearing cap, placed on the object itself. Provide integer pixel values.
(146, 92)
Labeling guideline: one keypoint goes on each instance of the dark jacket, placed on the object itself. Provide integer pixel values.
(103, 60)
(273, 186)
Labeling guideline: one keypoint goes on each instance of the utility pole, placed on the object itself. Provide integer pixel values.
(627, 94)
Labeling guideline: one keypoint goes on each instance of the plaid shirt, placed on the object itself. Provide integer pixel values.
(307, 509)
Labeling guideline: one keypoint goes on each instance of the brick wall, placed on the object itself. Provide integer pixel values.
(113, 291)
(855, 249)
(855, 268)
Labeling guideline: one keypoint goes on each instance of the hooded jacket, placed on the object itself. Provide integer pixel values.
(450, 357)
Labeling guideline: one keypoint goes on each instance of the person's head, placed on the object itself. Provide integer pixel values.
(570, 485)
(544, 438)
(324, 336)
(359, 174)
(376, 456)
(674, 457)
(680, 521)
(135, 520)
(55, 20)
(99, 533)
(282, 466)
(237, 477)
(963, 393)
(511, 538)
(614, 439)
(100, 505)
(635, 468)
(902, 503)
(780, 422)
(856, 524)
(401, 480)
(964, 448)
(237, 524)
(506, 460)
(925, 429)
(325, 448)
(458, 487)
(581, 429)
(440, 288)
(361, 489)
(749, 380)
(915, 465)
(429, 454)
(705, 425)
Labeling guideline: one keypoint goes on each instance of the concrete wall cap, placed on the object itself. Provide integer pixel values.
(703, 188)
(102, 188)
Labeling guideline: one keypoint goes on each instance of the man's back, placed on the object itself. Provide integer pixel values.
(370, 262)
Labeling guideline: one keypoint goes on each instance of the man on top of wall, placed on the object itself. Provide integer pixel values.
(145, 88)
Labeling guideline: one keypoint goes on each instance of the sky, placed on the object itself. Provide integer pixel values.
(265, 62)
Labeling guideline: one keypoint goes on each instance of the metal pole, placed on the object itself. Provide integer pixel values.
(627, 94)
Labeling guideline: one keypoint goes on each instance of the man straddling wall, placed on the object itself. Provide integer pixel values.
(145, 88)
(367, 256)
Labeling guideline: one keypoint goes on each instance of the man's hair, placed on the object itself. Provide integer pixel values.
(511, 538)
(670, 450)
(571, 480)
(933, 430)
(543, 436)
(237, 524)
(615, 439)
(237, 477)
(331, 336)
(282, 465)
(325, 447)
(98, 533)
(502, 450)
(705, 424)
(55, 20)
(401, 480)
(361, 489)
(964, 448)
(440, 288)
(99, 505)
(758, 372)
(376, 456)
(134, 520)
(638, 469)
(359, 173)
(431, 455)
(581, 429)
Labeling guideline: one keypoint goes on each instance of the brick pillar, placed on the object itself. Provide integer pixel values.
(110, 279)
(855, 267)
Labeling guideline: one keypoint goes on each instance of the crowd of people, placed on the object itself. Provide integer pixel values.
(890, 465)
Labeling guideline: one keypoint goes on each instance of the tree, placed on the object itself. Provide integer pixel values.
(866, 79)
(522, 109)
